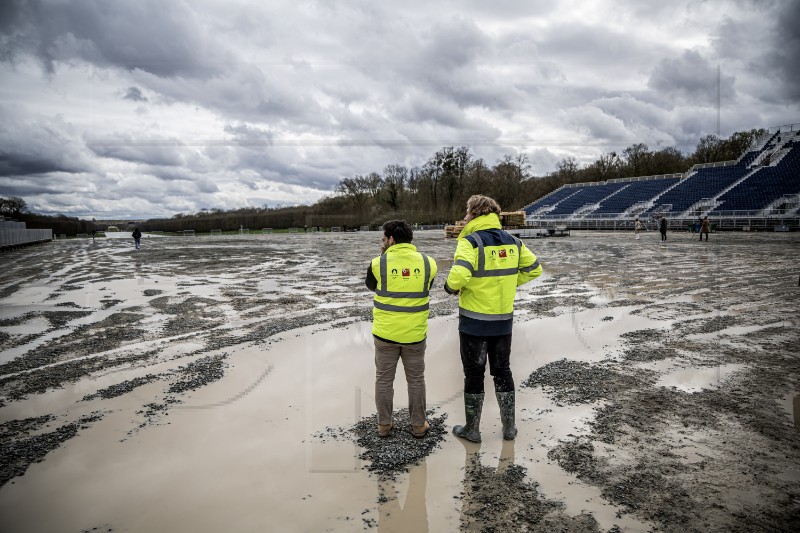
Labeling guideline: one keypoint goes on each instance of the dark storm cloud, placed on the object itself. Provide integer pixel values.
(691, 77)
(197, 183)
(784, 59)
(155, 151)
(25, 164)
(32, 146)
(31, 187)
(766, 47)
(246, 93)
(422, 108)
(135, 94)
(163, 38)
(448, 65)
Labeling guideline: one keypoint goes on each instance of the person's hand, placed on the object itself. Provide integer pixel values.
(448, 290)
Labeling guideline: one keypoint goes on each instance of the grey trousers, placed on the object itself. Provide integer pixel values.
(386, 357)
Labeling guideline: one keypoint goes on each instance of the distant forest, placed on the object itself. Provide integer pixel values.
(434, 193)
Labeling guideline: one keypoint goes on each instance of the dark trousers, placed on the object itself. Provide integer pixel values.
(663, 235)
(701, 235)
(475, 351)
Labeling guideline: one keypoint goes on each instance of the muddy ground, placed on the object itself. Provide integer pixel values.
(226, 383)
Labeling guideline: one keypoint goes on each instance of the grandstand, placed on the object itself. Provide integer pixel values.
(760, 190)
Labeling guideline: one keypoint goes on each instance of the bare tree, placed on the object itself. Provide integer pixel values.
(637, 159)
(356, 191)
(394, 183)
(13, 205)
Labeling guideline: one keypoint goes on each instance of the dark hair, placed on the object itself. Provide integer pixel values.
(398, 229)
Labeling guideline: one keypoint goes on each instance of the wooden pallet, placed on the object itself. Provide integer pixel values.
(512, 218)
(453, 231)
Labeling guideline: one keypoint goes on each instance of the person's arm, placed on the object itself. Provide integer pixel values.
(464, 264)
(434, 271)
(371, 282)
(529, 267)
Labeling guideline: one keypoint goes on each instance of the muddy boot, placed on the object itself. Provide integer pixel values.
(473, 405)
(506, 402)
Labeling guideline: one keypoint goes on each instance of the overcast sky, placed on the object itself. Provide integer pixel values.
(147, 108)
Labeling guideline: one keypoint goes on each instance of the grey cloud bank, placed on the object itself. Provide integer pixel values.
(146, 109)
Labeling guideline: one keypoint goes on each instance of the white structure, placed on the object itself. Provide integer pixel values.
(13, 234)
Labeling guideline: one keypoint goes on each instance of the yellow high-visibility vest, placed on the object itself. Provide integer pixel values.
(401, 304)
(487, 268)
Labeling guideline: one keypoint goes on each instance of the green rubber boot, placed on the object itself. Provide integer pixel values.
(506, 402)
(473, 405)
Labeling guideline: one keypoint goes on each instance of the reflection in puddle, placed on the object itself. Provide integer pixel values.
(697, 379)
(413, 516)
(268, 285)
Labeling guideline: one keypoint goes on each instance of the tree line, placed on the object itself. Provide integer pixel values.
(435, 192)
(438, 190)
(16, 208)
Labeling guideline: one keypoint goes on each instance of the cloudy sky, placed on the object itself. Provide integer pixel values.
(122, 109)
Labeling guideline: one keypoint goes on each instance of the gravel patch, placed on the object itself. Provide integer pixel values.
(577, 382)
(18, 453)
(500, 499)
(52, 377)
(389, 456)
(199, 374)
(121, 388)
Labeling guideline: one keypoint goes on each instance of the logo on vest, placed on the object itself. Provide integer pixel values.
(394, 272)
(502, 253)
(406, 272)
(416, 273)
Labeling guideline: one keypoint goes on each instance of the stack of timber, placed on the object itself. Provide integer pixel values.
(452, 232)
(512, 219)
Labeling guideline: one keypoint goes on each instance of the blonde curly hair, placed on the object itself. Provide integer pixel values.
(479, 205)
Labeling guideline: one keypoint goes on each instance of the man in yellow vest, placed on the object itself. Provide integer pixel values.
(488, 266)
(401, 278)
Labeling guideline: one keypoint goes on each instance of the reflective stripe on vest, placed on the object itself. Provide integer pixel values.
(484, 316)
(400, 308)
(381, 290)
(401, 305)
(534, 266)
(481, 272)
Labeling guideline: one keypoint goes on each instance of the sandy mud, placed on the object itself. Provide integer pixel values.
(209, 384)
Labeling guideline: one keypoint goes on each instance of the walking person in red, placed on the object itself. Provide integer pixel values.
(488, 266)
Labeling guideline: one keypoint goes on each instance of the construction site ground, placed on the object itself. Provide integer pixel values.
(218, 383)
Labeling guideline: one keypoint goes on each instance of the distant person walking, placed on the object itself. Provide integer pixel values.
(137, 238)
(704, 229)
(401, 278)
(662, 227)
(488, 266)
(637, 227)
